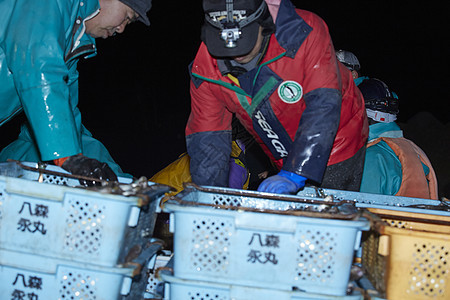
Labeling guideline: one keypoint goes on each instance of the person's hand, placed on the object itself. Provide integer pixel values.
(89, 167)
(283, 183)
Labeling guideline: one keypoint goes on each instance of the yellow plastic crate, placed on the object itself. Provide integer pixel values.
(408, 255)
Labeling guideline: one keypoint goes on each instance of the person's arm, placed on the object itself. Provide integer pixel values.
(34, 48)
(311, 148)
(319, 123)
(208, 137)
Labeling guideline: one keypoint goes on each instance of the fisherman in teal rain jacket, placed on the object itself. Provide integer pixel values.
(393, 164)
(40, 45)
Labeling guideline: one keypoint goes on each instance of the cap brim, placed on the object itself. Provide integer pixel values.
(143, 18)
(140, 8)
(216, 45)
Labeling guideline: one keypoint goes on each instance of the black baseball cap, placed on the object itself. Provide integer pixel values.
(233, 19)
(141, 7)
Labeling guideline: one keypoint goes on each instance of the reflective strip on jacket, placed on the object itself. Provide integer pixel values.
(40, 44)
(326, 125)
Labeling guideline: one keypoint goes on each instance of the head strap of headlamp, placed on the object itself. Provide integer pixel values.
(387, 104)
(380, 116)
(230, 21)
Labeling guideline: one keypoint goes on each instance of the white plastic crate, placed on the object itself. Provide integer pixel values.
(27, 276)
(155, 286)
(177, 288)
(367, 200)
(248, 245)
(52, 218)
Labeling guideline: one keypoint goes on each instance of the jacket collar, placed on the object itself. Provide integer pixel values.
(88, 10)
(291, 32)
(81, 43)
(291, 29)
(378, 130)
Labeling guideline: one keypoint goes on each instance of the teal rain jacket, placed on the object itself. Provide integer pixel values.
(40, 45)
(382, 169)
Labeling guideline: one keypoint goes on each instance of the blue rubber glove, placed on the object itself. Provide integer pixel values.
(283, 183)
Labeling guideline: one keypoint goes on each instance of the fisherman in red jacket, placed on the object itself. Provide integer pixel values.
(283, 82)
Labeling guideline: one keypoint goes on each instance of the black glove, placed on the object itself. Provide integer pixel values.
(89, 167)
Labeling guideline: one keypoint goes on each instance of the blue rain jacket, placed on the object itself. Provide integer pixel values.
(40, 45)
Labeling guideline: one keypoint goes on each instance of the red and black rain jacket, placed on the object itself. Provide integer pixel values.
(323, 123)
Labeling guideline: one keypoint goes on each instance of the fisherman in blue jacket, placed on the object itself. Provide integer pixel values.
(40, 45)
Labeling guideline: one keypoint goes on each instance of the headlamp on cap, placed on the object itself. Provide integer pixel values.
(381, 103)
(231, 21)
(230, 36)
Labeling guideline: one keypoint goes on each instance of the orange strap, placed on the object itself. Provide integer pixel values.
(59, 162)
(414, 184)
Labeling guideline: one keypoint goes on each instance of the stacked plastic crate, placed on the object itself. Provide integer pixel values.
(62, 242)
(234, 244)
(406, 254)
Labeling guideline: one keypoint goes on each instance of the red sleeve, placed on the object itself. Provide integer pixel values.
(319, 58)
(208, 111)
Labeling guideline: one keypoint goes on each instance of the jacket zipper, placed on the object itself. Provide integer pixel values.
(86, 49)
